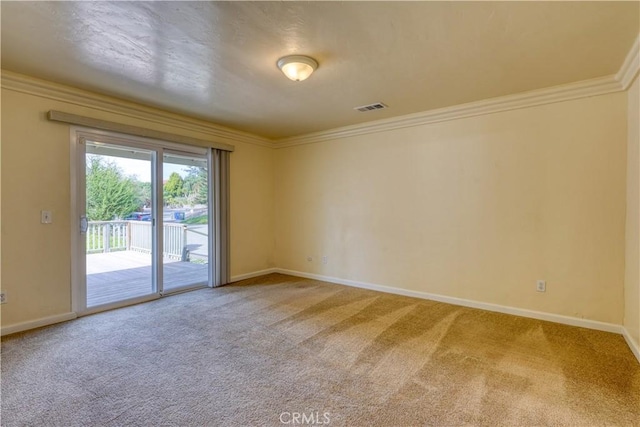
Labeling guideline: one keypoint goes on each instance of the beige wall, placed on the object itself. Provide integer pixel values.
(476, 208)
(1, 287)
(35, 176)
(632, 265)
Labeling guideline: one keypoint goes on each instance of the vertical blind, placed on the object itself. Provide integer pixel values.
(219, 190)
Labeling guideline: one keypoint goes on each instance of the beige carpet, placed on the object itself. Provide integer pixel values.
(258, 352)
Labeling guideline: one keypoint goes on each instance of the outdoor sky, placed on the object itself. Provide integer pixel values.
(142, 168)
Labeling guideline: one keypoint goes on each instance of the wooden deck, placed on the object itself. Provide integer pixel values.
(116, 276)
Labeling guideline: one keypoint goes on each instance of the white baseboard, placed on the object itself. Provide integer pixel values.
(557, 318)
(50, 320)
(37, 323)
(634, 346)
(253, 274)
(540, 315)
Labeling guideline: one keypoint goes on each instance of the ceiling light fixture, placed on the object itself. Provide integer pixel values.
(297, 67)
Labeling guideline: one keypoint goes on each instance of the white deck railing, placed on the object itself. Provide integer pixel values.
(107, 236)
(110, 236)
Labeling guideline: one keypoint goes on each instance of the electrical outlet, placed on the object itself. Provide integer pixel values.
(46, 217)
(3, 297)
(541, 286)
(325, 259)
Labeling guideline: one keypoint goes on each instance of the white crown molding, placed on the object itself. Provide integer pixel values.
(593, 87)
(45, 89)
(631, 65)
(586, 88)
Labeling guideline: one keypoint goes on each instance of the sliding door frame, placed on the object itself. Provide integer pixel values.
(211, 237)
(78, 137)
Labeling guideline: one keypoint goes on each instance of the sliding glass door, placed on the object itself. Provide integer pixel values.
(185, 215)
(143, 220)
(119, 223)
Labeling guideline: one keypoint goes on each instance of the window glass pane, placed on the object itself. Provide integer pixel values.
(186, 217)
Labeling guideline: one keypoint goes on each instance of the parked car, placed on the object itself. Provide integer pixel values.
(138, 216)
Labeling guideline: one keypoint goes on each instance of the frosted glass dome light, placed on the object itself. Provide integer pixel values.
(297, 67)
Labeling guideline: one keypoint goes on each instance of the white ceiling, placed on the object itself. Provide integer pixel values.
(217, 60)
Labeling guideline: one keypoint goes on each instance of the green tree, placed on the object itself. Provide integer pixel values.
(173, 188)
(144, 193)
(110, 194)
(195, 186)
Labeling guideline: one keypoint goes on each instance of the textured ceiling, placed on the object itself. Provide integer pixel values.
(216, 60)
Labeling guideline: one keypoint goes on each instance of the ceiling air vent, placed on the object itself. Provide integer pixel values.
(371, 107)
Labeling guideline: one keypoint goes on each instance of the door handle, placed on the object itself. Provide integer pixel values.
(84, 224)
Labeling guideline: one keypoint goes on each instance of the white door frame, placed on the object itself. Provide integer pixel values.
(78, 136)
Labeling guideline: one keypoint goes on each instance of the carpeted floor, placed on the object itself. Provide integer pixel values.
(280, 350)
